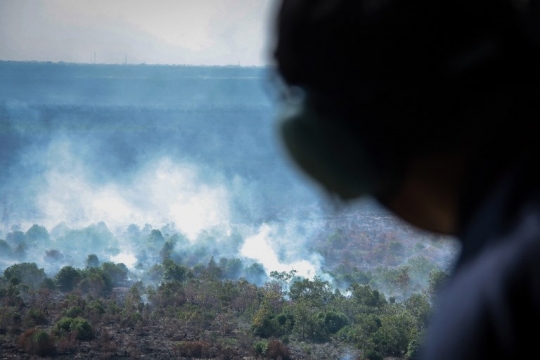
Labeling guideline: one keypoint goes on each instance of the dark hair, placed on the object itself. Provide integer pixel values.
(413, 76)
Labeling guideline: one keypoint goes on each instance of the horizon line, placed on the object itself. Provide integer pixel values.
(131, 64)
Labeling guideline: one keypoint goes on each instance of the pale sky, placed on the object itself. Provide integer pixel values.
(196, 32)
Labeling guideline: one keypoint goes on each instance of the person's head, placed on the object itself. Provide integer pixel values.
(391, 84)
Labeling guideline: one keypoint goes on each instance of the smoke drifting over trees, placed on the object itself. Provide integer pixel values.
(142, 176)
(99, 156)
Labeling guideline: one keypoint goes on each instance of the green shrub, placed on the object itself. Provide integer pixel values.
(413, 350)
(265, 324)
(397, 329)
(334, 321)
(260, 348)
(81, 327)
(73, 312)
(35, 317)
(97, 305)
(373, 355)
(63, 325)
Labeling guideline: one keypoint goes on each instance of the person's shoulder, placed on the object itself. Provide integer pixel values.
(510, 259)
(491, 301)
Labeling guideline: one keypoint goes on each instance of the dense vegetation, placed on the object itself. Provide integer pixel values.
(182, 309)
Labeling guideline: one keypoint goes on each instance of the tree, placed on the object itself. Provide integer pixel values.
(96, 237)
(263, 322)
(156, 273)
(419, 307)
(231, 268)
(16, 238)
(67, 278)
(302, 319)
(95, 281)
(212, 271)
(255, 273)
(20, 250)
(156, 238)
(437, 279)
(25, 273)
(175, 272)
(166, 250)
(53, 255)
(37, 235)
(92, 261)
(397, 330)
(133, 232)
(315, 293)
(116, 272)
(5, 249)
(283, 276)
(366, 296)
(334, 321)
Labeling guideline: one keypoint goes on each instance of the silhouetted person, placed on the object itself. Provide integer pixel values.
(431, 107)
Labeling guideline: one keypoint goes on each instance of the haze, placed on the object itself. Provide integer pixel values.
(209, 32)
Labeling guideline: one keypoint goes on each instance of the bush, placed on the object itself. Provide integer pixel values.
(266, 325)
(63, 325)
(373, 355)
(97, 305)
(346, 333)
(81, 327)
(35, 341)
(277, 350)
(263, 324)
(73, 312)
(260, 348)
(413, 350)
(334, 321)
(35, 317)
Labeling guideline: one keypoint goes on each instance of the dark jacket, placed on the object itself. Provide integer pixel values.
(490, 308)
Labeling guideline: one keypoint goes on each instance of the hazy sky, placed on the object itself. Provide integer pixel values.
(205, 32)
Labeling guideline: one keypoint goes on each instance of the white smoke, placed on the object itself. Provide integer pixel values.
(264, 245)
(163, 192)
